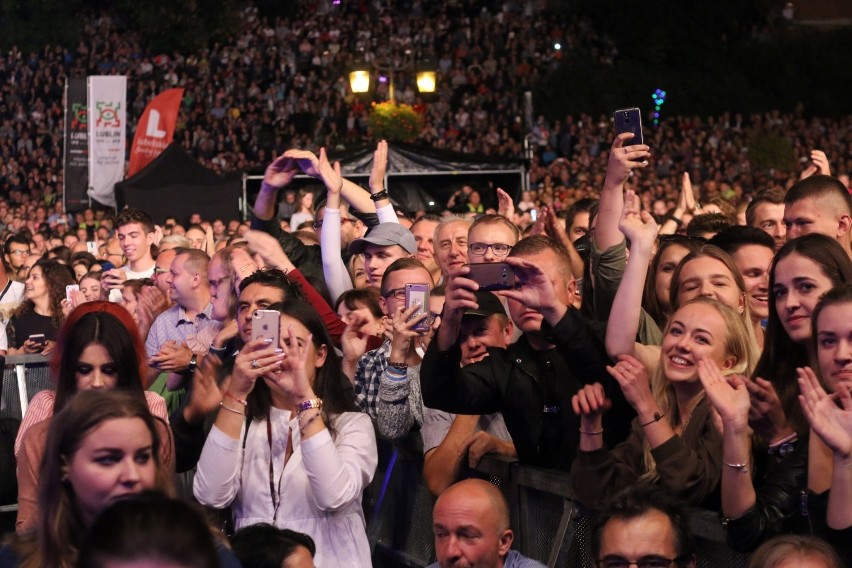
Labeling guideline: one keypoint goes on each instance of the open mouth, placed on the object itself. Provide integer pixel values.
(680, 361)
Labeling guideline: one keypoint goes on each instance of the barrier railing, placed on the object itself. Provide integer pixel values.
(549, 525)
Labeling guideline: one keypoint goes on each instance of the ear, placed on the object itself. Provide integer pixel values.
(384, 304)
(741, 304)
(320, 356)
(508, 331)
(571, 290)
(729, 363)
(505, 543)
(844, 225)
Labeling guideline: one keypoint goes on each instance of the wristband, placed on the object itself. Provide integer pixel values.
(657, 418)
(594, 433)
(217, 350)
(383, 194)
(308, 404)
(303, 427)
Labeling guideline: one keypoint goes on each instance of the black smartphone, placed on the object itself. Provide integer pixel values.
(418, 294)
(492, 275)
(38, 339)
(629, 120)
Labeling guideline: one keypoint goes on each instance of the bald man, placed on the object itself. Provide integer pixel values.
(471, 525)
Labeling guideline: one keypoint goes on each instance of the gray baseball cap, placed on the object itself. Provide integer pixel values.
(385, 235)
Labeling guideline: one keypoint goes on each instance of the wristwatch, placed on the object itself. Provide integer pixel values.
(193, 363)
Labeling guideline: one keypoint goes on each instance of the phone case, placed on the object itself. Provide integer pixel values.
(418, 294)
(265, 324)
(629, 120)
(492, 275)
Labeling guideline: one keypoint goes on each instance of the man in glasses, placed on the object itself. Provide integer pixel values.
(387, 379)
(645, 527)
(17, 249)
(490, 239)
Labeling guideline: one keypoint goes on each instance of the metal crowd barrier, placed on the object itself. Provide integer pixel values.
(549, 525)
(23, 377)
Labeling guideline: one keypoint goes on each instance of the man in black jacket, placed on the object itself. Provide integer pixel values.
(532, 381)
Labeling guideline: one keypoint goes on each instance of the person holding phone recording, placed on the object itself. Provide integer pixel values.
(33, 326)
(531, 381)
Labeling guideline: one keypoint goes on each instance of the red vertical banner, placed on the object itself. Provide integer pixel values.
(155, 129)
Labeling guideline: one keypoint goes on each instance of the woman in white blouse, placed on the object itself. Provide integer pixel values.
(288, 446)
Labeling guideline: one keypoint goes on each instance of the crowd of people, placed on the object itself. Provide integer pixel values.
(664, 323)
(263, 367)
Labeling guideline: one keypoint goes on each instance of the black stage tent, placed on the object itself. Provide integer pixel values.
(175, 184)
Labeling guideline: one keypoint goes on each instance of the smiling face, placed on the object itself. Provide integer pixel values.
(697, 331)
(36, 285)
(135, 241)
(834, 346)
(424, 232)
(478, 333)
(113, 461)
(709, 277)
(753, 263)
(799, 284)
(91, 289)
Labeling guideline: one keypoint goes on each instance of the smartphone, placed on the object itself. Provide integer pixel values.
(38, 339)
(265, 324)
(107, 266)
(418, 294)
(70, 289)
(492, 275)
(92, 247)
(534, 215)
(629, 120)
(115, 296)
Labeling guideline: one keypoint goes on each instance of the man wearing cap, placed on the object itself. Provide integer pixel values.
(385, 243)
(387, 379)
(449, 438)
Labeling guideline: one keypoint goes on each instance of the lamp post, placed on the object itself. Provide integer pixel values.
(389, 63)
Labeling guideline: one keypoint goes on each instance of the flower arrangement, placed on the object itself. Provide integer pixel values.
(395, 122)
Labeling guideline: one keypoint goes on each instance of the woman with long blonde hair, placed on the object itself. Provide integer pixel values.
(673, 440)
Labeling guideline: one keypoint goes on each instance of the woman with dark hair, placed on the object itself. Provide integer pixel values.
(288, 446)
(656, 297)
(98, 348)
(41, 311)
(151, 529)
(265, 546)
(101, 447)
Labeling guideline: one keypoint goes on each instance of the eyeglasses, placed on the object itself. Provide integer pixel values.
(160, 271)
(317, 225)
(499, 249)
(644, 562)
(19, 252)
(397, 293)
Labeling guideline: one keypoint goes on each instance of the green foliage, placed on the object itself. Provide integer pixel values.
(769, 150)
(395, 122)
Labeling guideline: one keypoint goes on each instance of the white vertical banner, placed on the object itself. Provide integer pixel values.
(107, 102)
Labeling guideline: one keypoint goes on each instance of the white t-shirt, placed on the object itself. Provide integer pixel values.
(136, 275)
(10, 298)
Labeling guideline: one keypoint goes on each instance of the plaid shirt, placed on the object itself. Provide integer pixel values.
(368, 376)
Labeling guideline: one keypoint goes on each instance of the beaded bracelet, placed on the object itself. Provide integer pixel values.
(308, 404)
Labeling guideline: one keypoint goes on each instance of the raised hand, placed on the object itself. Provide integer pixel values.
(380, 167)
(269, 250)
(589, 404)
(290, 377)
(280, 172)
(534, 289)
(329, 174)
(766, 415)
(728, 395)
(354, 338)
(633, 379)
(624, 158)
(305, 160)
(637, 226)
(205, 394)
(831, 422)
(403, 324)
(819, 165)
(255, 359)
(505, 205)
